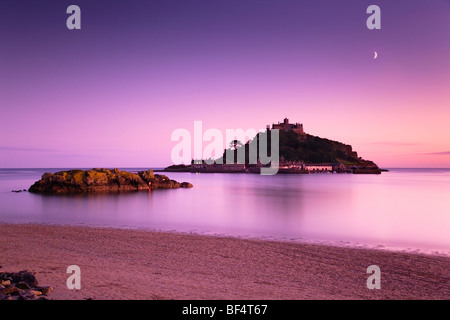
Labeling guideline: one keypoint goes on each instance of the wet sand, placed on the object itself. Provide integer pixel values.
(132, 264)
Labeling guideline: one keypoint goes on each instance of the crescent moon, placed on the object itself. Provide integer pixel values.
(376, 55)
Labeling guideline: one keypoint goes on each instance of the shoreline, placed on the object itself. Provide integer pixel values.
(137, 264)
(328, 243)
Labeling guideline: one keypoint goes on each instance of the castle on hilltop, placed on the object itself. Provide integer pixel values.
(286, 126)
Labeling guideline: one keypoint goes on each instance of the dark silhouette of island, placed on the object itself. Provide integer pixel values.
(299, 152)
(102, 180)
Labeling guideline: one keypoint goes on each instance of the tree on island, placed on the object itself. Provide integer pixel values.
(235, 144)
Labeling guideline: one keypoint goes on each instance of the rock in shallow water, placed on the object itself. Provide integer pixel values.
(186, 185)
(100, 180)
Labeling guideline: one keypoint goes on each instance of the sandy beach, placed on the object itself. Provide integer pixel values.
(132, 264)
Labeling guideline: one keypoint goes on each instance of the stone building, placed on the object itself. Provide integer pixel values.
(286, 126)
(319, 167)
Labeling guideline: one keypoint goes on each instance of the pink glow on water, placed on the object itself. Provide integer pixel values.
(406, 209)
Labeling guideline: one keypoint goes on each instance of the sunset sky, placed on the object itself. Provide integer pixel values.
(112, 93)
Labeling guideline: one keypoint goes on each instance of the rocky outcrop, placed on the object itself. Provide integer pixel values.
(160, 181)
(101, 180)
(367, 170)
(178, 168)
(22, 285)
(186, 185)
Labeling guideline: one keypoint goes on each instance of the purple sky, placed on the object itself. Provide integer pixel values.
(111, 94)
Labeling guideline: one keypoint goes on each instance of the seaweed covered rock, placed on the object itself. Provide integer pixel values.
(161, 181)
(146, 175)
(100, 180)
(186, 185)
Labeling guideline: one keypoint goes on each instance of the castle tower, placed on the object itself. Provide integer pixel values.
(286, 126)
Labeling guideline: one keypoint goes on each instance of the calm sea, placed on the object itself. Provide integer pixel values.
(403, 209)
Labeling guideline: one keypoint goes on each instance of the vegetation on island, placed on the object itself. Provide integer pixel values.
(312, 149)
(306, 148)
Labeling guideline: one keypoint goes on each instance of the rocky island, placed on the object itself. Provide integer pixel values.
(299, 152)
(102, 180)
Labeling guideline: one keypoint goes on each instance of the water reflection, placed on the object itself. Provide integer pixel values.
(401, 208)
